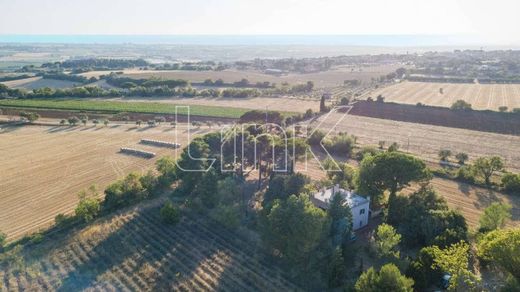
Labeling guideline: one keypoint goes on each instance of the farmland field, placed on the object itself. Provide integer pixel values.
(39, 82)
(480, 96)
(284, 104)
(426, 140)
(330, 78)
(134, 251)
(44, 168)
(119, 106)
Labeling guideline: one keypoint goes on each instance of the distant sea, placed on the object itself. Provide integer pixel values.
(247, 40)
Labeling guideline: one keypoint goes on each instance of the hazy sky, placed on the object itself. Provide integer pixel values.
(492, 20)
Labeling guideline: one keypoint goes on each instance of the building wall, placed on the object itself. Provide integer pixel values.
(359, 217)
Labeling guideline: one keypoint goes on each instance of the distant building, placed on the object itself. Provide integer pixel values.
(360, 206)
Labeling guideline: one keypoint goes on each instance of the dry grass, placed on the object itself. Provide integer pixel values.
(44, 168)
(426, 140)
(38, 82)
(135, 251)
(481, 96)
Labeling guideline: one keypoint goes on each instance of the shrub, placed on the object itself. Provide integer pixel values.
(466, 174)
(170, 214)
(229, 216)
(394, 147)
(502, 109)
(461, 158)
(341, 144)
(316, 137)
(87, 209)
(461, 105)
(511, 183)
(367, 150)
(62, 220)
(444, 154)
(3, 239)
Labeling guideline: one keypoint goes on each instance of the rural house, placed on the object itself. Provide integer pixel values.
(358, 205)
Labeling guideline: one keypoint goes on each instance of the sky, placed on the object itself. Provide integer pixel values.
(491, 21)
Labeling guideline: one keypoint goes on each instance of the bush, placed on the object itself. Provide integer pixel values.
(394, 147)
(170, 214)
(511, 183)
(466, 174)
(316, 137)
(62, 220)
(229, 216)
(3, 239)
(341, 144)
(367, 150)
(87, 209)
(461, 105)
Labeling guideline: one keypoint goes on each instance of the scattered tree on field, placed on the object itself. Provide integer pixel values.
(106, 122)
(381, 144)
(3, 239)
(62, 122)
(511, 183)
(95, 122)
(461, 105)
(495, 216)
(73, 120)
(487, 166)
(138, 123)
(461, 158)
(444, 154)
(394, 147)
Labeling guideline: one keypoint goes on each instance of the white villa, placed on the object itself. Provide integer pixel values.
(359, 205)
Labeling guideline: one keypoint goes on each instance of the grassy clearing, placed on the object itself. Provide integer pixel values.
(118, 106)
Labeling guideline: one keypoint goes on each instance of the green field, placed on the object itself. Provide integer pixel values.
(119, 106)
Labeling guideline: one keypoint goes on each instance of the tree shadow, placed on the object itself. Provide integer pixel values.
(146, 254)
(10, 128)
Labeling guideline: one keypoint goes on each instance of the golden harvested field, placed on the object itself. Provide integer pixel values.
(480, 96)
(134, 251)
(426, 140)
(44, 168)
(286, 104)
(331, 78)
(38, 82)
